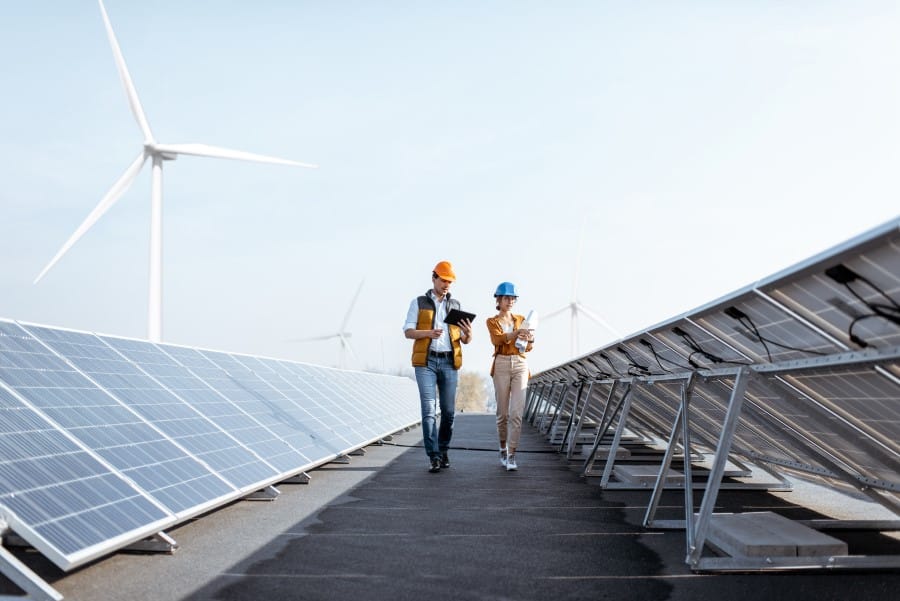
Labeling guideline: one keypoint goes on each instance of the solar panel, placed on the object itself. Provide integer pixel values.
(293, 423)
(319, 419)
(187, 415)
(247, 417)
(105, 441)
(331, 385)
(852, 294)
(63, 498)
(104, 423)
(800, 370)
(763, 332)
(311, 379)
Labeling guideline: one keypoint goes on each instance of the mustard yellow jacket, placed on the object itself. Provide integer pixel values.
(498, 338)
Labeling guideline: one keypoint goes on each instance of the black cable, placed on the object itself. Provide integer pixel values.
(791, 348)
(891, 312)
(657, 357)
(600, 373)
(741, 317)
(692, 344)
(853, 337)
(608, 360)
(698, 350)
(758, 337)
(642, 370)
(419, 446)
(877, 308)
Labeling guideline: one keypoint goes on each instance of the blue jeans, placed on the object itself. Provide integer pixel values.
(437, 380)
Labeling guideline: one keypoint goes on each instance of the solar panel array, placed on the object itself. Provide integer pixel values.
(799, 371)
(105, 441)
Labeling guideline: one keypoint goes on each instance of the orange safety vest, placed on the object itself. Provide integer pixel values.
(425, 321)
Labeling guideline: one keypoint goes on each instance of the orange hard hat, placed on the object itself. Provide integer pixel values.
(445, 270)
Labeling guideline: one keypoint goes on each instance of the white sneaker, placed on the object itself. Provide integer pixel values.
(511, 463)
(503, 456)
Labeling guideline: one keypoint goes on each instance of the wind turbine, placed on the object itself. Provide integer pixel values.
(342, 334)
(575, 306)
(156, 153)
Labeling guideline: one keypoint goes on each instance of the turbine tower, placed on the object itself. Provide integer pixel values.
(575, 306)
(157, 153)
(342, 334)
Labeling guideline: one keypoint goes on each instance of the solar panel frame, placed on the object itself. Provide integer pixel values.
(46, 461)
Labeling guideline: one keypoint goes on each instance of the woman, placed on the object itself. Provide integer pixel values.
(509, 371)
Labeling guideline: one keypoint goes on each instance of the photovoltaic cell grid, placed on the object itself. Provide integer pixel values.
(304, 378)
(841, 301)
(850, 294)
(104, 440)
(183, 407)
(288, 420)
(53, 491)
(246, 417)
(311, 410)
(100, 422)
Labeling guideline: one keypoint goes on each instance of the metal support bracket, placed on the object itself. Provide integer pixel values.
(158, 543)
(697, 537)
(21, 575)
(269, 493)
(303, 478)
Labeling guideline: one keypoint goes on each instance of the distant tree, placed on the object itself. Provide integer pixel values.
(472, 392)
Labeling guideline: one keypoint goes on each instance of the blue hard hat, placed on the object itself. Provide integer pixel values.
(506, 289)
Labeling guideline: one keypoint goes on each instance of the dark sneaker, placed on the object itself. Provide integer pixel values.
(445, 460)
(435, 465)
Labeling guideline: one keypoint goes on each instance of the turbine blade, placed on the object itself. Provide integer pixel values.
(205, 150)
(352, 303)
(557, 312)
(313, 338)
(598, 319)
(106, 202)
(133, 100)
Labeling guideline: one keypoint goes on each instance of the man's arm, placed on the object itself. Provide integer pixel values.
(414, 334)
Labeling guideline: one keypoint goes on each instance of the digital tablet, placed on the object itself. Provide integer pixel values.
(455, 315)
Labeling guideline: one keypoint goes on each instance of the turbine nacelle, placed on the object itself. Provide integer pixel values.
(151, 150)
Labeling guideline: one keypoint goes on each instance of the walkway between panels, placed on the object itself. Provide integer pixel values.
(475, 531)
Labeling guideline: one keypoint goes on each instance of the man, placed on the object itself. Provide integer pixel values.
(437, 357)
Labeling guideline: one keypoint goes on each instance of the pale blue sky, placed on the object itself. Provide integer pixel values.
(707, 144)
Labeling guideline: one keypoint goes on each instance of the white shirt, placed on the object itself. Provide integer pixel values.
(438, 345)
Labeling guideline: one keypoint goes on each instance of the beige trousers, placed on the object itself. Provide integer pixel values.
(510, 382)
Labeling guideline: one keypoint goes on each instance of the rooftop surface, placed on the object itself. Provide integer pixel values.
(382, 527)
